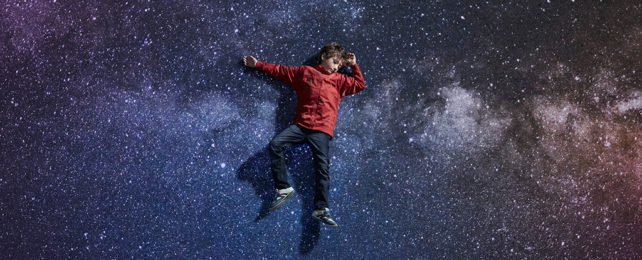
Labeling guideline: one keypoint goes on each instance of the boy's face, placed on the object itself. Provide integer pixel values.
(331, 64)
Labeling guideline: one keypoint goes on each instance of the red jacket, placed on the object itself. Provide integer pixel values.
(318, 92)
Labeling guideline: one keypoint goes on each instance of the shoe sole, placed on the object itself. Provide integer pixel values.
(334, 226)
(281, 203)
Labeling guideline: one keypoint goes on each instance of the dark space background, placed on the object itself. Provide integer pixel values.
(497, 129)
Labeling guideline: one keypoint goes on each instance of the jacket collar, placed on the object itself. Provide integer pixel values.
(320, 68)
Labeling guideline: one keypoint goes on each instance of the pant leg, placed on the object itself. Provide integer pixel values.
(320, 145)
(291, 135)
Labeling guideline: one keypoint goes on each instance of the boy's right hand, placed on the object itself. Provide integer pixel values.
(249, 61)
(350, 58)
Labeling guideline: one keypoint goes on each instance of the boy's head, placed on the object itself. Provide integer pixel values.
(331, 57)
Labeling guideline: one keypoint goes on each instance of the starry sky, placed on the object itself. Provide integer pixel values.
(487, 129)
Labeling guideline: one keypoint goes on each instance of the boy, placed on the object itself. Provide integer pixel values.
(319, 90)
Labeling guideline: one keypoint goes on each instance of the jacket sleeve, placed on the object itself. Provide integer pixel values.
(351, 85)
(283, 73)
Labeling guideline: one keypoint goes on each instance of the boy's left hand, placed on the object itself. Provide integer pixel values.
(351, 58)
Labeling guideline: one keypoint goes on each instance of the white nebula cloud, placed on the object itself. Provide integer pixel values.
(587, 144)
(632, 102)
(557, 114)
(463, 124)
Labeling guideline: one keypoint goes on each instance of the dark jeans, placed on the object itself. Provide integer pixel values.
(319, 143)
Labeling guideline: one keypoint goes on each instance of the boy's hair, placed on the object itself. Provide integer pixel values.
(332, 49)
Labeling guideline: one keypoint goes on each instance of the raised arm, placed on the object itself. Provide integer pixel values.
(283, 73)
(351, 85)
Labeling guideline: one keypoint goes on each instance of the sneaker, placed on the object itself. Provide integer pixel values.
(281, 196)
(323, 215)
